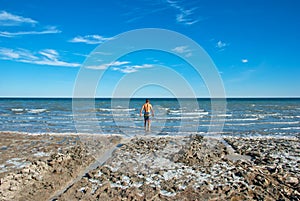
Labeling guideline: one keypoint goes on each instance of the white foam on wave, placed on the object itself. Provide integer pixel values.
(239, 124)
(287, 128)
(280, 122)
(263, 137)
(175, 111)
(261, 116)
(250, 115)
(185, 112)
(122, 115)
(17, 110)
(115, 109)
(179, 117)
(224, 115)
(31, 118)
(289, 117)
(243, 119)
(268, 115)
(195, 113)
(36, 111)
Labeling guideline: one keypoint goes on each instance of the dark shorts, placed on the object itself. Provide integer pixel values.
(146, 116)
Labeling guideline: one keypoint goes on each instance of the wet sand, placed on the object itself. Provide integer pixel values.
(88, 167)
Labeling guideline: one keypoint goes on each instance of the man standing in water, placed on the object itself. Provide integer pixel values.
(147, 107)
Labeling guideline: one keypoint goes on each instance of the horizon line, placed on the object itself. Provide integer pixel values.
(167, 97)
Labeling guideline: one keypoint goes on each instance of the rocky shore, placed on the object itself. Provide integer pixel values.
(148, 168)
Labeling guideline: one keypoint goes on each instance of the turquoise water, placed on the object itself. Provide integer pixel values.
(244, 117)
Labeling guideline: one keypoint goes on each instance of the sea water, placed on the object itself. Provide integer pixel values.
(243, 117)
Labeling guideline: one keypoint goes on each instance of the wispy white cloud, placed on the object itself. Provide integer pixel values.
(50, 30)
(139, 13)
(244, 60)
(8, 19)
(133, 68)
(183, 50)
(121, 66)
(221, 44)
(105, 66)
(89, 39)
(49, 54)
(185, 16)
(44, 57)
(102, 53)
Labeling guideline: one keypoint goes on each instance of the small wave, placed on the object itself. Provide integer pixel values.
(239, 124)
(36, 111)
(31, 118)
(121, 115)
(199, 110)
(24, 125)
(288, 128)
(278, 122)
(17, 110)
(249, 115)
(224, 115)
(195, 113)
(178, 118)
(245, 119)
(92, 119)
(289, 117)
(115, 109)
(261, 116)
(175, 111)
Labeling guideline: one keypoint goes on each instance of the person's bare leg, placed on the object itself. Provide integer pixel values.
(149, 125)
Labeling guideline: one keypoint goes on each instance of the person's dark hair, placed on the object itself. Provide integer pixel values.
(147, 100)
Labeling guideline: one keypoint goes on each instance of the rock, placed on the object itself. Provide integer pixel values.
(25, 171)
(89, 175)
(272, 169)
(105, 170)
(292, 181)
(237, 198)
(5, 185)
(13, 188)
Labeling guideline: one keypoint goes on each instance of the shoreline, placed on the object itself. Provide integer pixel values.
(147, 167)
(218, 136)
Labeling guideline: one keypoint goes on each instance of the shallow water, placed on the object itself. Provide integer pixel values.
(243, 117)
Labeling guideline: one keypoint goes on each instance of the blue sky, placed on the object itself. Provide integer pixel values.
(254, 44)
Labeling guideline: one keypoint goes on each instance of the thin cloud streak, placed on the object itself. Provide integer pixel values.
(52, 30)
(141, 13)
(183, 50)
(105, 66)
(8, 19)
(132, 69)
(121, 66)
(221, 44)
(90, 39)
(185, 16)
(48, 57)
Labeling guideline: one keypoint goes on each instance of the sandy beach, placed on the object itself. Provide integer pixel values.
(94, 167)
